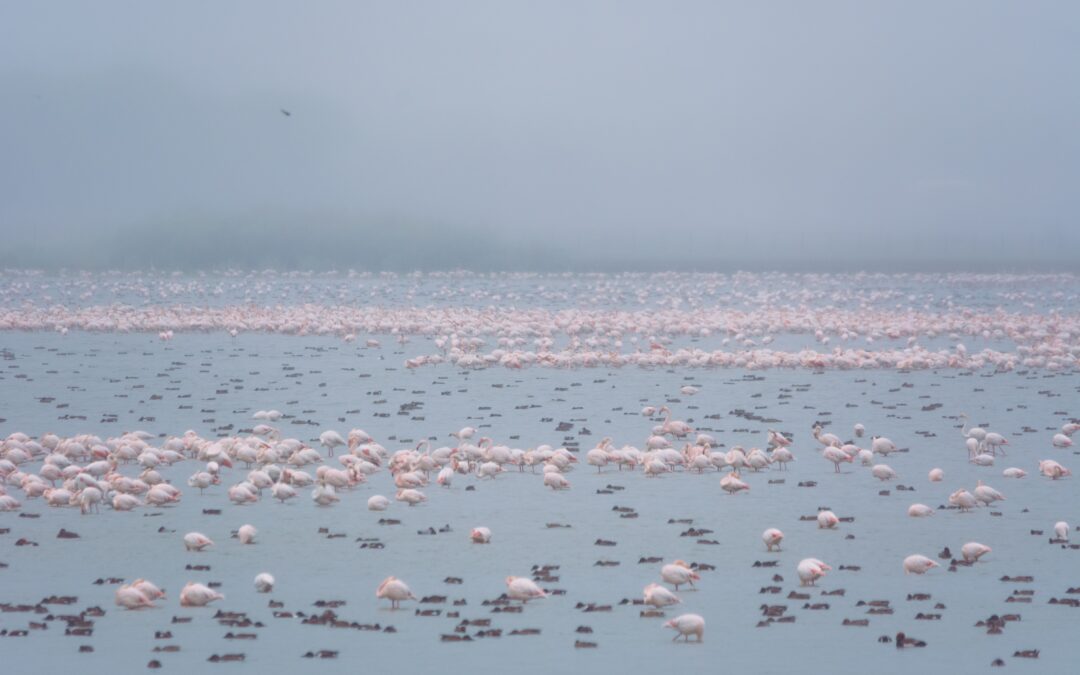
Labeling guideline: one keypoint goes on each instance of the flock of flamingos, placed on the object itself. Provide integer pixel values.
(575, 338)
(124, 473)
(666, 320)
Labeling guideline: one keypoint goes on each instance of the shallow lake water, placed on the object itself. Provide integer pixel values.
(107, 384)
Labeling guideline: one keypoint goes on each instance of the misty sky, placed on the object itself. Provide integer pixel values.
(827, 135)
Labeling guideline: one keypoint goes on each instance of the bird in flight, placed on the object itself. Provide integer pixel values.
(286, 113)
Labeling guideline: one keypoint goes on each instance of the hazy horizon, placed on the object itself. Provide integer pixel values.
(558, 136)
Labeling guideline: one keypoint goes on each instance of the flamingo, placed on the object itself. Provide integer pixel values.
(994, 441)
(264, 582)
(772, 537)
(826, 439)
(324, 495)
(89, 499)
(777, 439)
(827, 520)
(282, 491)
(464, 434)
(130, 597)
(520, 588)
(836, 456)
(781, 456)
(488, 470)
(202, 480)
(1052, 469)
(196, 541)
(918, 564)
(599, 456)
(882, 446)
(973, 550)
(123, 502)
(446, 474)
(963, 499)
(920, 511)
(732, 484)
(395, 590)
(556, 481)
(973, 447)
(987, 495)
(977, 433)
(198, 595)
(148, 588)
(246, 534)
(678, 573)
(757, 459)
(810, 570)
(883, 472)
(676, 428)
(983, 459)
(410, 496)
(331, 439)
(687, 625)
(660, 597)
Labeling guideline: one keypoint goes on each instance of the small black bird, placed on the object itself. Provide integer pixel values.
(286, 113)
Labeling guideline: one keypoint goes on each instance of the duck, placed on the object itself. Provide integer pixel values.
(903, 641)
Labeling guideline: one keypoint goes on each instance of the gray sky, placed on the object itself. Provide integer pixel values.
(821, 135)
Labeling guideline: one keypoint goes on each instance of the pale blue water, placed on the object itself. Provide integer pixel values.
(207, 381)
